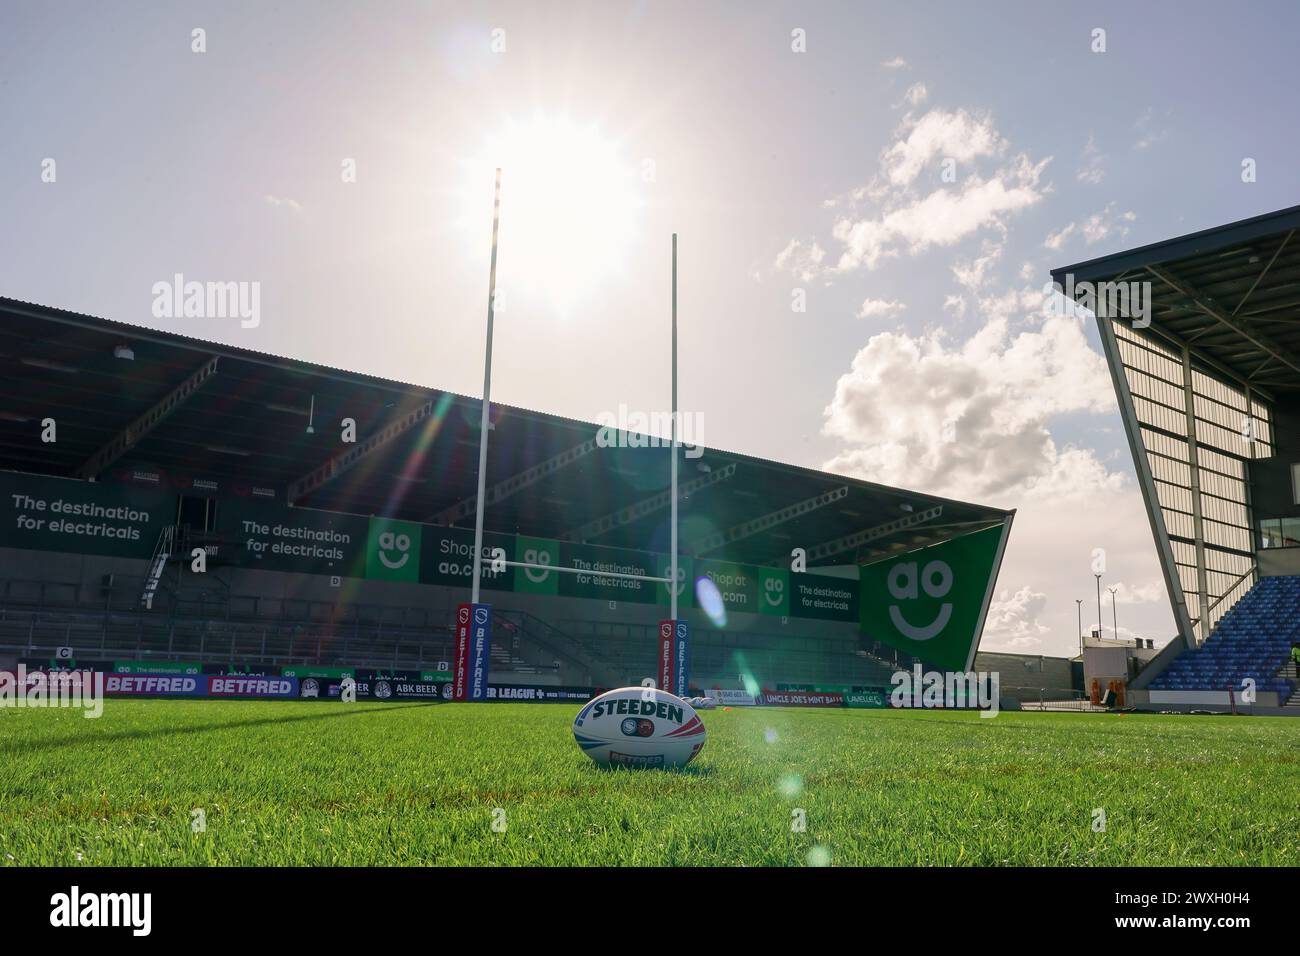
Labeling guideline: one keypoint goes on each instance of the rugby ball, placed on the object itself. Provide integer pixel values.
(639, 727)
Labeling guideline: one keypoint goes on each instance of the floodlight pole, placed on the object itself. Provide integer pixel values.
(672, 568)
(487, 400)
(1100, 633)
(1114, 616)
(1078, 603)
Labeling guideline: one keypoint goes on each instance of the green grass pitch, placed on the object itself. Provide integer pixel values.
(288, 783)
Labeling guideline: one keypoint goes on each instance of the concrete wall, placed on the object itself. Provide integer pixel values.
(1023, 676)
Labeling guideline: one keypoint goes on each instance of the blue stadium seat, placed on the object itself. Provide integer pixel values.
(1253, 640)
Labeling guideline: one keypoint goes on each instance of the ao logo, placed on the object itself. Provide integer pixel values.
(679, 585)
(936, 580)
(388, 542)
(536, 556)
(774, 591)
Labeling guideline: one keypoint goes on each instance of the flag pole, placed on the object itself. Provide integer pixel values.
(672, 573)
(484, 421)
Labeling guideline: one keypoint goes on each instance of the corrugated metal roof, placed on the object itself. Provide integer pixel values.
(248, 423)
(1231, 295)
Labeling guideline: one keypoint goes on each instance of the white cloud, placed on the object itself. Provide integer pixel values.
(1149, 593)
(970, 421)
(943, 218)
(911, 220)
(1013, 622)
(955, 135)
(916, 94)
(1148, 134)
(804, 259)
(1092, 170)
(880, 308)
(897, 63)
(974, 274)
(283, 202)
(1100, 225)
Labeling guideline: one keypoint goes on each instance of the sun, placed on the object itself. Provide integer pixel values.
(570, 205)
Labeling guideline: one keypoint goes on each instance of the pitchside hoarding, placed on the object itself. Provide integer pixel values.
(932, 602)
(198, 685)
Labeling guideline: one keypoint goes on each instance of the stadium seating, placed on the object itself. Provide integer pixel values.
(210, 624)
(1253, 640)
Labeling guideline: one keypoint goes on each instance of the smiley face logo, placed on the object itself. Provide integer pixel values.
(537, 556)
(935, 580)
(773, 591)
(679, 583)
(394, 542)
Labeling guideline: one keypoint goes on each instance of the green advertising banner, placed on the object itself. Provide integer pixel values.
(393, 550)
(447, 558)
(932, 602)
(736, 583)
(824, 597)
(591, 560)
(773, 591)
(81, 517)
(537, 551)
(50, 514)
(295, 539)
(157, 667)
(302, 671)
(685, 580)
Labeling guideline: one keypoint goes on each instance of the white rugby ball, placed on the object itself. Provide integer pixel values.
(639, 727)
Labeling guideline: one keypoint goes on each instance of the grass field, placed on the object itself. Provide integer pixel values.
(369, 783)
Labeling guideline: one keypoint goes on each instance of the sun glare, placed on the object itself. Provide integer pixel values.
(569, 206)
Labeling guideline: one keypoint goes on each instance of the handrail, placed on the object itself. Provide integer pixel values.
(1228, 590)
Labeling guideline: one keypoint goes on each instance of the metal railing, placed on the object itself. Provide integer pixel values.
(211, 623)
(1236, 592)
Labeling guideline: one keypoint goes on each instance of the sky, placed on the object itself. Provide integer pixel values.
(868, 199)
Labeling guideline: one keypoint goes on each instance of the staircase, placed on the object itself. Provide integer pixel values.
(1292, 673)
(1252, 641)
(162, 551)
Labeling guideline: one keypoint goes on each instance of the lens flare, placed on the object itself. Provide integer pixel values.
(709, 599)
(791, 785)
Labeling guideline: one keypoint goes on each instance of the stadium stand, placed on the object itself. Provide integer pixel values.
(203, 441)
(1252, 641)
(1201, 336)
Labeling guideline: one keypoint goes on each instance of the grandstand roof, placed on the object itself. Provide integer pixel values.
(184, 407)
(1231, 295)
